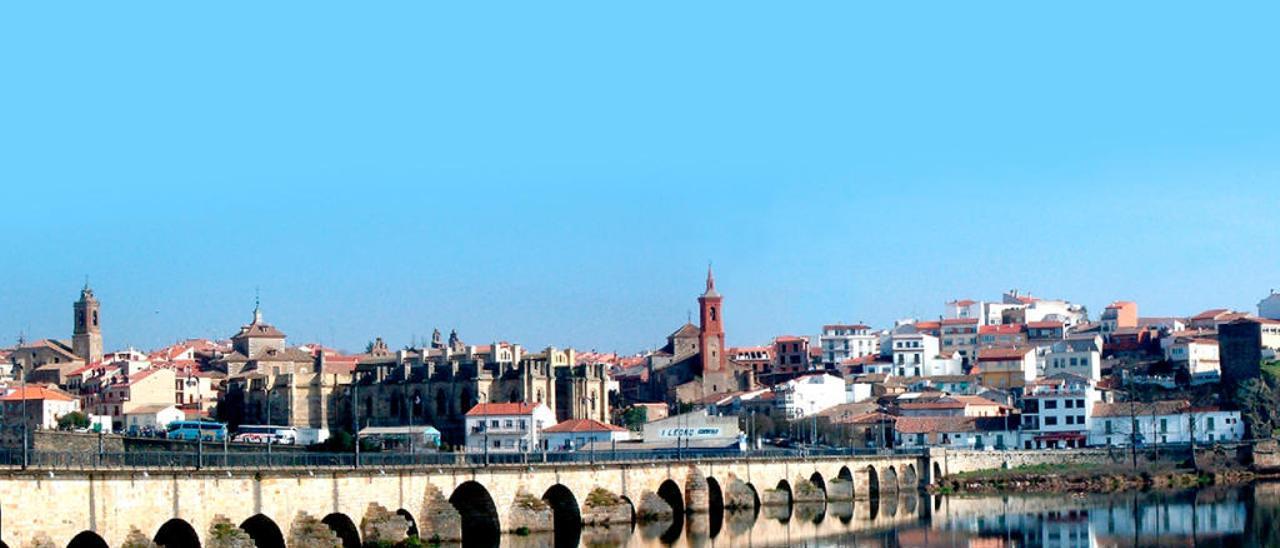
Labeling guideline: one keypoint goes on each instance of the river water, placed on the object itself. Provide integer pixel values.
(1242, 516)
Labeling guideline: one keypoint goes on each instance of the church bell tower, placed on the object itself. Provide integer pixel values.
(87, 339)
(712, 327)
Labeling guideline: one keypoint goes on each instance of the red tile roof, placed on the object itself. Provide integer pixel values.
(1002, 329)
(1003, 354)
(36, 393)
(487, 409)
(1210, 314)
(1044, 325)
(583, 425)
(959, 321)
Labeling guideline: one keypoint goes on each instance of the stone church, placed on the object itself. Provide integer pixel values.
(437, 384)
(48, 361)
(695, 363)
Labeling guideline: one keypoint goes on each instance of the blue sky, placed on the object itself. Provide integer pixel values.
(561, 173)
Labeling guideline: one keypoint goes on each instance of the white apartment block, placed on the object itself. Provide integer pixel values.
(840, 342)
(1056, 412)
(804, 396)
(1078, 355)
(508, 427)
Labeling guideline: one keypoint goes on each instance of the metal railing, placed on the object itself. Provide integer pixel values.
(150, 460)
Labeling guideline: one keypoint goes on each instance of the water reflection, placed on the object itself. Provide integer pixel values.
(1248, 516)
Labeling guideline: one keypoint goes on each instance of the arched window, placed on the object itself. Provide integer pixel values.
(95, 318)
(713, 313)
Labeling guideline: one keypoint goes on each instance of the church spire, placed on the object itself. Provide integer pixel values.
(711, 283)
(257, 307)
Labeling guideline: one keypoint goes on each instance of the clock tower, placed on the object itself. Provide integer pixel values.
(87, 339)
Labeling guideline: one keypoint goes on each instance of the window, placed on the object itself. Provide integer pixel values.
(1051, 421)
(1069, 404)
(1107, 425)
(1050, 404)
(497, 444)
(1209, 424)
(493, 423)
(1080, 403)
(1164, 426)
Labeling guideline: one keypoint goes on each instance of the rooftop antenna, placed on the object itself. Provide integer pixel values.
(688, 316)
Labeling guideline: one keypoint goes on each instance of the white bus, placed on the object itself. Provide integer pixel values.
(275, 435)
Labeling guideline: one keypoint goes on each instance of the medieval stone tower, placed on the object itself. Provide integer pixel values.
(87, 341)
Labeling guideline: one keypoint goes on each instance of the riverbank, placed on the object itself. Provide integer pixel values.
(1090, 479)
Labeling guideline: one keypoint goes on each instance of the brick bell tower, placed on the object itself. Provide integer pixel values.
(712, 327)
(87, 339)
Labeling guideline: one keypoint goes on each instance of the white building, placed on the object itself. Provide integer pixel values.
(840, 342)
(1079, 355)
(917, 354)
(955, 432)
(508, 427)
(43, 407)
(152, 416)
(1162, 422)
(1269, 307)
(1198, 355)
(1056, 412)
(804, 396)
(960, 336)
(574, 434)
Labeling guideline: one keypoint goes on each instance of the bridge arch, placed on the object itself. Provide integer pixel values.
(413, 523)
(755, 498)
(632, 506)
(87, 539)
(480, 525)
(845, 474)
(784, 487)
(873, 482)
(177, 533)
(890, 482)
(669, 492)
(566, 516)
(715, 496)
(715, 506)
(346, 529)
(264, 531)
(821, 484)
(910, 479)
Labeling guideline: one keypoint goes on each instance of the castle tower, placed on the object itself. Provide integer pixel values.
(87, 339)
(712, 327)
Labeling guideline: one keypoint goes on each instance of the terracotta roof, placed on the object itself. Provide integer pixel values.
(1003, 353)
(37, 393)
(1127, 409)
(789, 338)
(928, 425)
(687, 330)
(583, 425)
(1002, 329)
(963, 302)
(960, 321)
(488, 409)
(928, 325)
(258, 330)
(1048, 324)
(1210, 314)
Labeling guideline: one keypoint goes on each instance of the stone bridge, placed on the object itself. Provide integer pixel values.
(346, 507)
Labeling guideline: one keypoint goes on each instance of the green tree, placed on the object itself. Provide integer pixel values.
(73, 420)
(635, 417)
